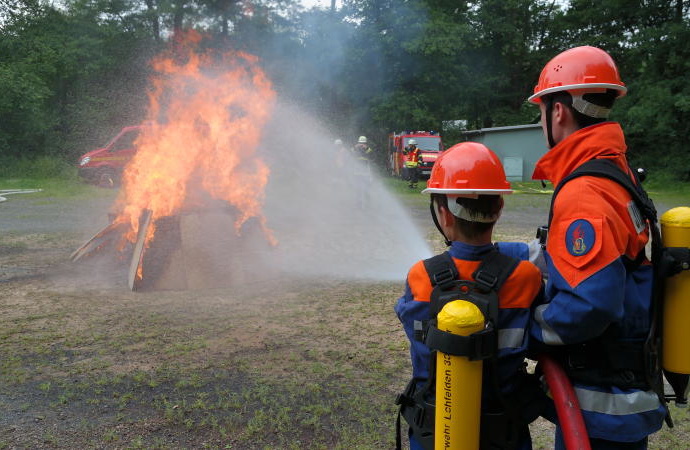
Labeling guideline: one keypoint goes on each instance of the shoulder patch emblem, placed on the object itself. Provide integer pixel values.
(580, 237)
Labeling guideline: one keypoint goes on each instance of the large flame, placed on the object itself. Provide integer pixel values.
(205, 117)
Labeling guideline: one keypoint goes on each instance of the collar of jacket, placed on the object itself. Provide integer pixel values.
(468, 252)
(601, 140)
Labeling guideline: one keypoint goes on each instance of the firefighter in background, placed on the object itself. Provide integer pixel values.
(363, 154)
(340, 153)
(466, 186)
(413, 156)
(362, 150)
(596, 313)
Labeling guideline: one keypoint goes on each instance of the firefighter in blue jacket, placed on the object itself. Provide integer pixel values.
(596, 314)
(466, 186)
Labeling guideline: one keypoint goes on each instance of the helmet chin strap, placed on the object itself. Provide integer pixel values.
(436, 222)
(549, 128)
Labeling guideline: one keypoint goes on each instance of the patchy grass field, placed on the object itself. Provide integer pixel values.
(284, 363)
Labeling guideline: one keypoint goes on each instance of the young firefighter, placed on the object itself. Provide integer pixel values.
(466, 187)
(596, 316)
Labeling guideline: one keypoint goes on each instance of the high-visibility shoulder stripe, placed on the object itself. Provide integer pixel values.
(518, 291)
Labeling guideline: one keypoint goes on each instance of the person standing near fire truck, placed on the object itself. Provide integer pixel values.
(362, 150)
(413, 157)
(596, 314)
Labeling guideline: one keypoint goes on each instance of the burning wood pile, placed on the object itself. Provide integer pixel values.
(191, 199)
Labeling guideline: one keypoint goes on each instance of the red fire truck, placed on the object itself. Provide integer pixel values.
(104, 166)
(429, 142)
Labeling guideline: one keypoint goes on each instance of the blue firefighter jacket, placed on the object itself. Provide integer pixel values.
(595, 229)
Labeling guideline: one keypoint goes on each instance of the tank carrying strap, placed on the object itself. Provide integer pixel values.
(620, 364)
(418, 412)
(606, 355)
(674, 260)
(477, 346)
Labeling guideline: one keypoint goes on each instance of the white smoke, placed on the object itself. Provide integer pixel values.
(328, 220)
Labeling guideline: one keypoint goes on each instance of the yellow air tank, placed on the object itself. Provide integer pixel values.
(458, 382)
(675, 231)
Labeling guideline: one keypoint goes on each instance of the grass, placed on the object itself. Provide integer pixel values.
(661, 188)
(45, 166)
(325, 376)
(54, 187)
(200, 382)
(670, 191)
(289, 364)
(55, 176)
(59, 179)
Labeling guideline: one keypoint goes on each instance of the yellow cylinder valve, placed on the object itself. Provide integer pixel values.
(458, 382)
(675, 231)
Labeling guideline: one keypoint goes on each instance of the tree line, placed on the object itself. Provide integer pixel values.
(73, 72)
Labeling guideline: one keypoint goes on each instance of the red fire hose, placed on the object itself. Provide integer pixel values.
(567, 406)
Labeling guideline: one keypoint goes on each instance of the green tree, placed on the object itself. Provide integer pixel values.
(656, 112)
(69, 74)
(444, 60)
(648, 41)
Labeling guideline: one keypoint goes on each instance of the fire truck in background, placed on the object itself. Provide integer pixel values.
(429, 142)
(104, 166)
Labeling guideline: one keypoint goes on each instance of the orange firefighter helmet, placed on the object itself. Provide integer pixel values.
(579, 70)
(468, 169)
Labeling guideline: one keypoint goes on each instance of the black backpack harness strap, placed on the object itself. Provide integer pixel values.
(441, 270)
(604, 168)
(489, 277)
(417, 402)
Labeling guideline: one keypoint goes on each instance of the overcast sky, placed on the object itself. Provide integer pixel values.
(327, 3)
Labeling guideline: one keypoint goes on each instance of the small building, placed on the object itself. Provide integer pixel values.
(519, 147)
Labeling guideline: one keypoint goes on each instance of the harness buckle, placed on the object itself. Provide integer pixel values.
(543, 235)
(627, 376)
(419, 330)
(444, 277)
(486, 279)
(419, 416)
(482, 344)
(576, 361)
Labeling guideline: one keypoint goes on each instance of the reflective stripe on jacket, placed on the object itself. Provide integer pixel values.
(595, 229)
(412, 157)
